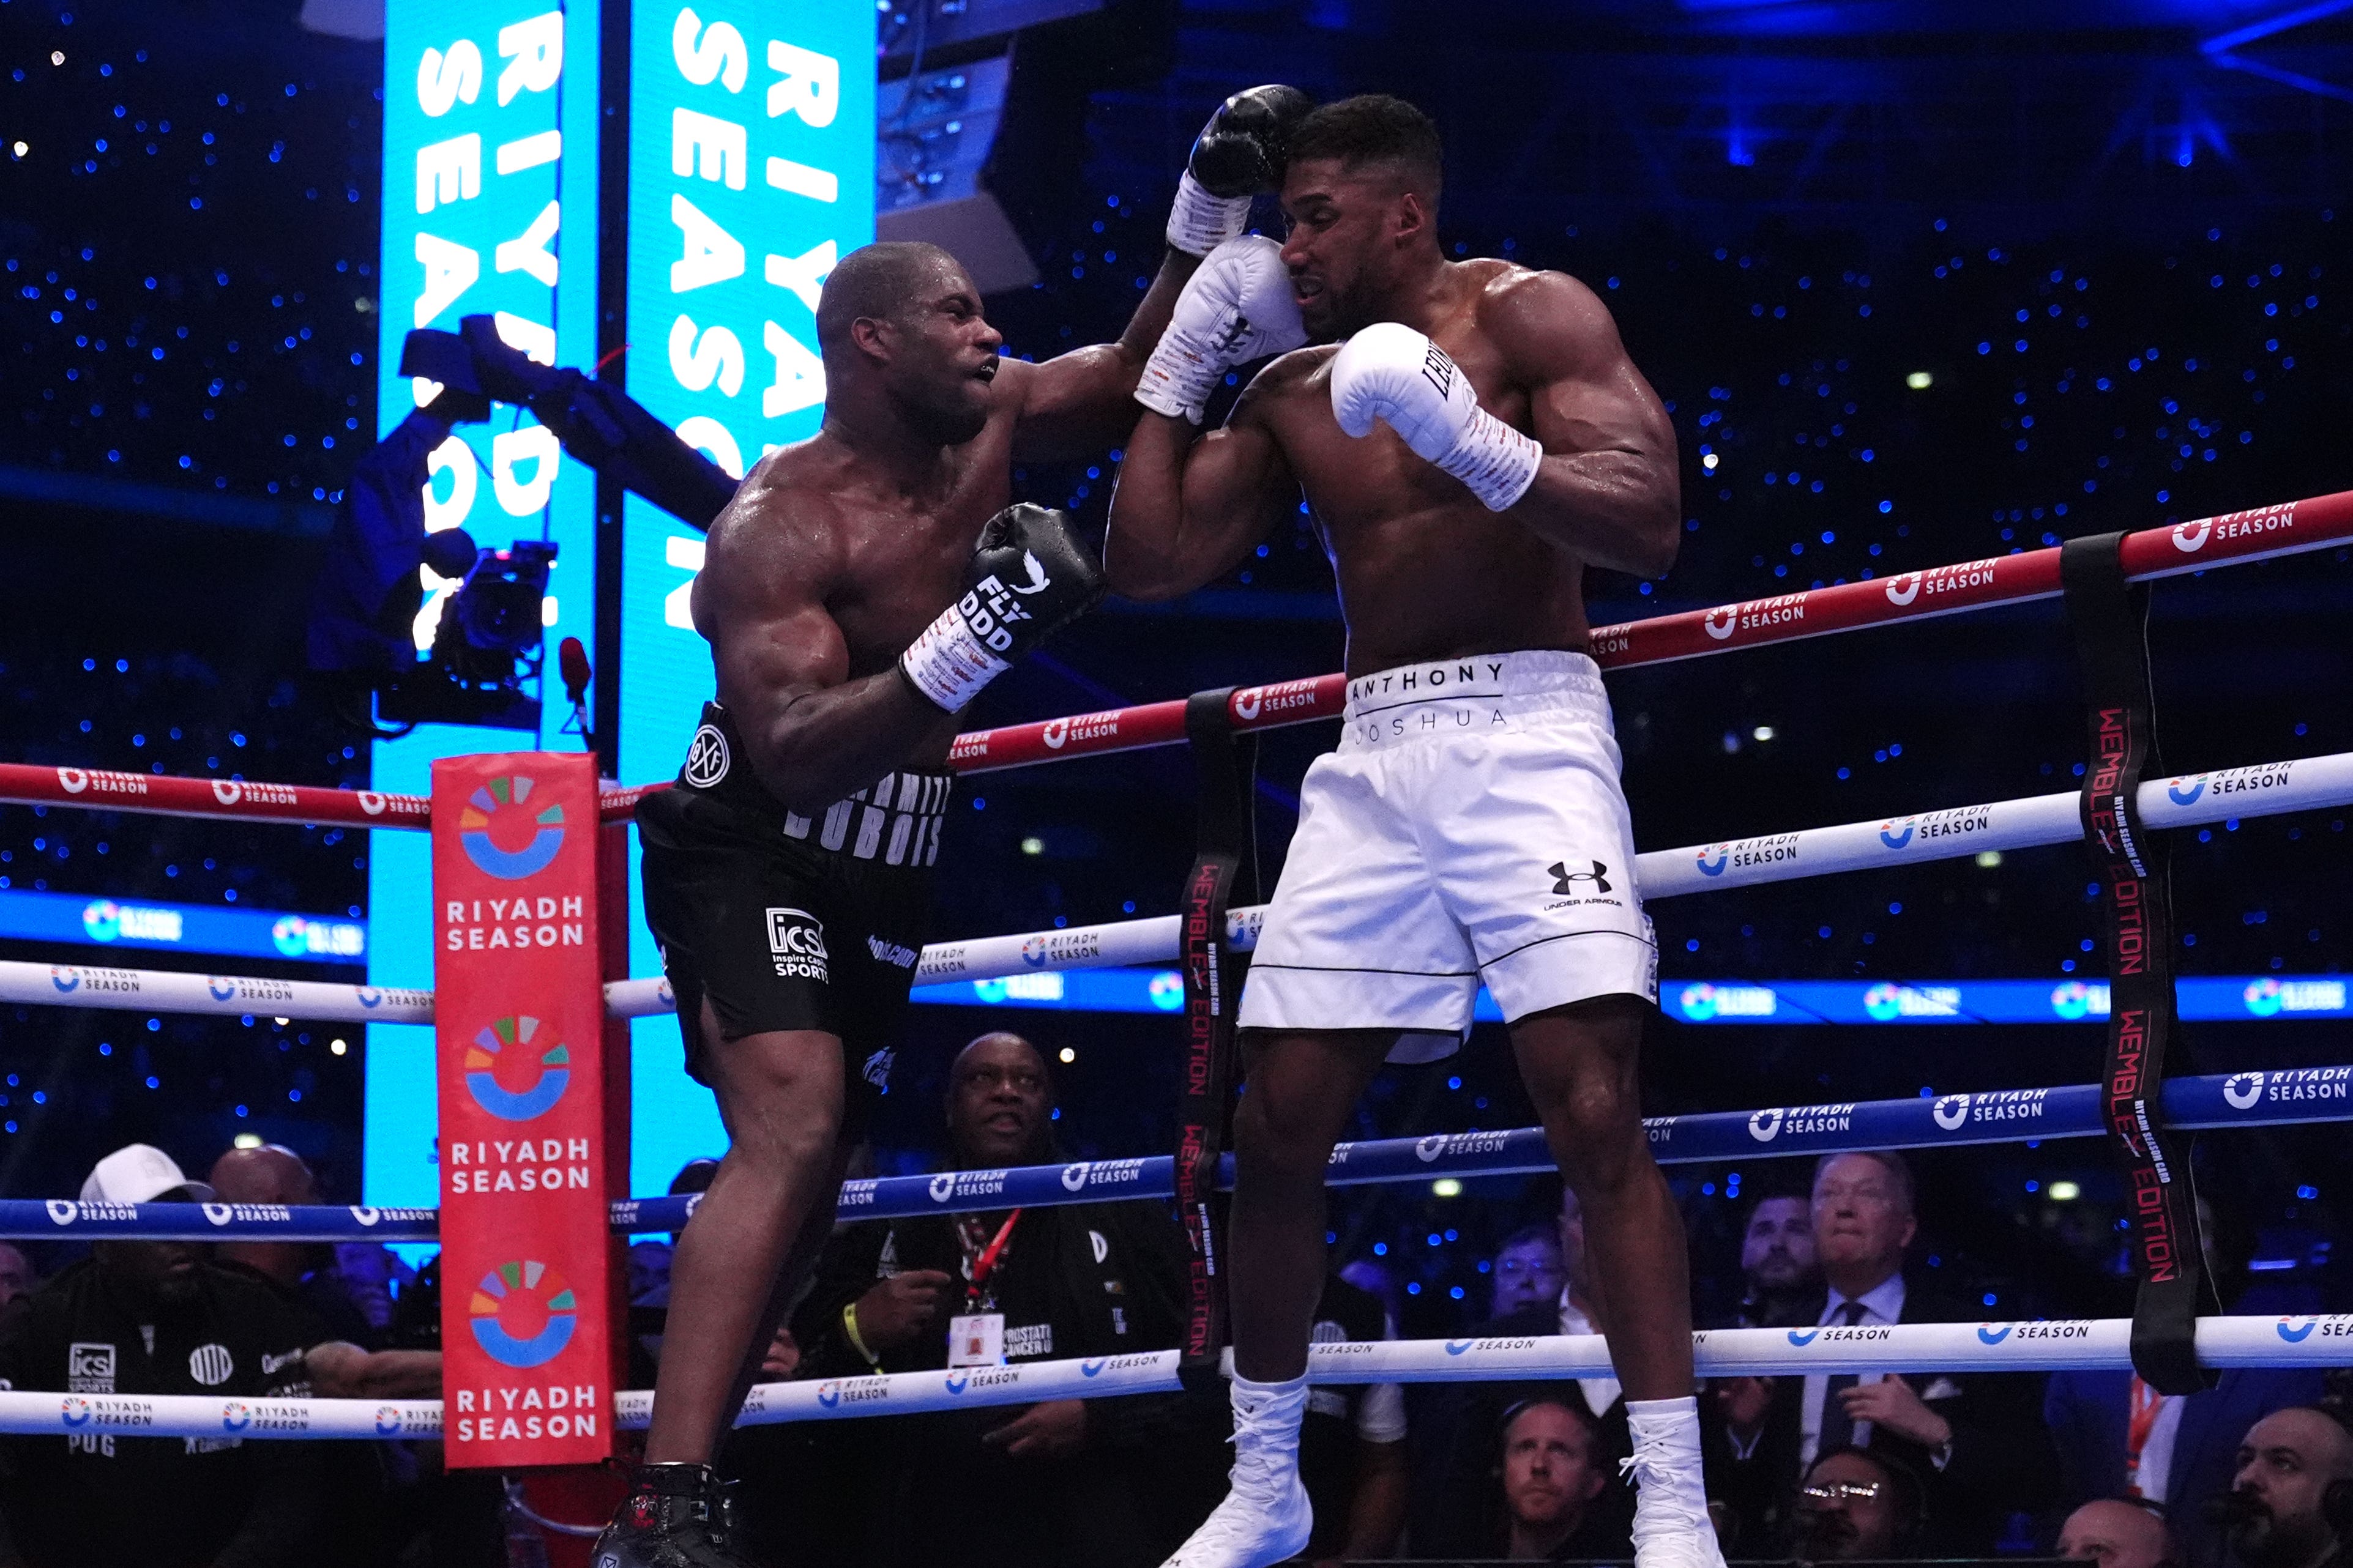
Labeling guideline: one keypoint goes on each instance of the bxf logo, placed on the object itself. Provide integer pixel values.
(1564, 878)
(505, 794)
(706, 757)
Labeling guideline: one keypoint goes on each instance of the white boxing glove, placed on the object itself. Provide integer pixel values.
(1238, 307)
(1391, 371)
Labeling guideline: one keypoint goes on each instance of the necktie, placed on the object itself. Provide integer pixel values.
(1837, 1430)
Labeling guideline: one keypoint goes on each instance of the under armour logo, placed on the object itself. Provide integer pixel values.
(1598, 877)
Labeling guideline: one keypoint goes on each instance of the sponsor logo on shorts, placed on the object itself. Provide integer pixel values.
(796, 944)
(877, 1070)
(892, 952)
(706, 757)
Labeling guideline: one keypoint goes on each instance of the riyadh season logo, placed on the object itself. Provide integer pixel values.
(1897, 833)
(1993, 1333)
(1033, 952)
(545, 1073)
(2185, 792)
(1246, 702)
(943, 1187)
(1093, 1366)
(388, 1420)
(219, 987)
(2191, 537)
(1721, 630)
(1457, 1347)
(235, 1416)
(1713, 859)
(524, 1314)
(958, 1382)
(1903, 588)
(1801, 1338)
(1765, 1125)
(65, 980)
(1056, 732)
(1952, 1111)
(2296, 1330)
(74, 1412)
(828, 1395)
(2243, 1090)
(507, 794)
(2072, 1001)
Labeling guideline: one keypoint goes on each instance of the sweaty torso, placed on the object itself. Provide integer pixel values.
(883, 558)
(1425, 571)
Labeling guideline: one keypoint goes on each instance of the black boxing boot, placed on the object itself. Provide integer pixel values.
(674, 1516)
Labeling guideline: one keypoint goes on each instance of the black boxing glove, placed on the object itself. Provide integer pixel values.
(1030, 576)
(1239, 154)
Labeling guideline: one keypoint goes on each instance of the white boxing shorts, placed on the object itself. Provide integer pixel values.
(1470, 827)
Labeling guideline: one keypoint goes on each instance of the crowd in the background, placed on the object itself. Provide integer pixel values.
(2091, 1465)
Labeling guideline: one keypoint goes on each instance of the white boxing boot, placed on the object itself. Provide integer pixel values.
(1265, 1518)
(1671, 1528)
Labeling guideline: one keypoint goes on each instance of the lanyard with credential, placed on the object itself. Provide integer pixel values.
(985, 1264)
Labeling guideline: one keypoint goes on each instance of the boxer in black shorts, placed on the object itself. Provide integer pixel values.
(850, 618)
(788, 923)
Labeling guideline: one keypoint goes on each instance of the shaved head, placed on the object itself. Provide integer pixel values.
(878, 282)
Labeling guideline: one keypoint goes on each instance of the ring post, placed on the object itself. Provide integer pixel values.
(1226, 855)
(2109, 617)
(533, 1099)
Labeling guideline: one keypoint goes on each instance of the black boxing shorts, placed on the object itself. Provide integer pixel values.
(789, 922)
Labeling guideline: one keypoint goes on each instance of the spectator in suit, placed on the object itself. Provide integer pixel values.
(1976, 1442)
(1526, 1271)
(2117, 1437)
(2288, 1505)
(1468, 1418)
(2120, 1532)
(1550, 1476)
(1780, 1277)
(1857, 1507)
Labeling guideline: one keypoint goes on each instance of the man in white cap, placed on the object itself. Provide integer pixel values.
(154, 1317)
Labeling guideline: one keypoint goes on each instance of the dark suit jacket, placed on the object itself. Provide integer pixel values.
(2002, 1461)
(2087, 1412)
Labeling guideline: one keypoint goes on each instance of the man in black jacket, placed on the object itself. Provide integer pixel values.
(1977, 1441)
(1105, 1483)
(156, 1317)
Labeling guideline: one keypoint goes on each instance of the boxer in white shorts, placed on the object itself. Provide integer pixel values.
(1479, 440)
(1469, 829)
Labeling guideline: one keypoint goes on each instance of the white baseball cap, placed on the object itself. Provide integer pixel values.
(139, 1173)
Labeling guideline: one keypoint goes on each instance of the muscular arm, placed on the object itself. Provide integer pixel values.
(1607, 490)
(1077, 403)
(1184, 511)
(814, 733)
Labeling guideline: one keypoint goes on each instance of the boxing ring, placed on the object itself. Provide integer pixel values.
(2183, 1104)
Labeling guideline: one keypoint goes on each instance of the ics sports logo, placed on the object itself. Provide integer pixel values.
(507, 794)
(524, 1314)
(545, 1074)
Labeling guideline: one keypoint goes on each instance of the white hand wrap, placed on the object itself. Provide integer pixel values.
(1389, 371)
(949, 664)
(1237, 308)
(1198, 222)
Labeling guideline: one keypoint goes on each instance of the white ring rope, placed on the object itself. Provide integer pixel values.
(2082, 1344)
(2263, 789)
